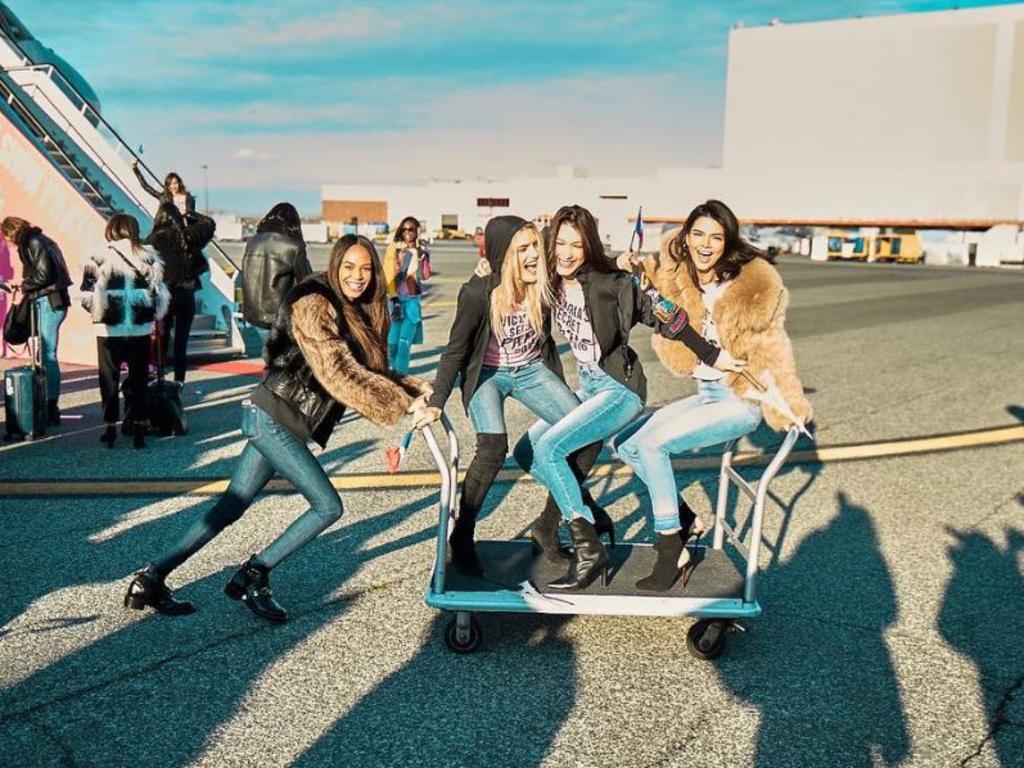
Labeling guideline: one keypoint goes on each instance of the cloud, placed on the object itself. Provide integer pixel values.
(248, 153)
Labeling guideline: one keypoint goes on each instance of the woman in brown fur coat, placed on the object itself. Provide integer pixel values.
(736, 300)
(326, 352)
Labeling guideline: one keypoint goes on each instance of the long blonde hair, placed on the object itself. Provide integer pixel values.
(512, 290)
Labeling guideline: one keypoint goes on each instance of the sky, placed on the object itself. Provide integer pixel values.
(277, 98)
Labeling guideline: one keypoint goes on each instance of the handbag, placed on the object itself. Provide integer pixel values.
(17, 324)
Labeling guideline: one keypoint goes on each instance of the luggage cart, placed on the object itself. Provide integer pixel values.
(514, 581)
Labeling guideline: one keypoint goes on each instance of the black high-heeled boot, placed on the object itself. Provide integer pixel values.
(460, 543)
(589, 561)
(109, 436)
(667, 570)
(148, 590)
(544, 534)
(251, 585)
(53, 413)
(491, 448)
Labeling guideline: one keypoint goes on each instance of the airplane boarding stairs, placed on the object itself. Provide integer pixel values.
(63, 167)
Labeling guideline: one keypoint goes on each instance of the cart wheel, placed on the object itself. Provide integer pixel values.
(463, 640)
(706, 639)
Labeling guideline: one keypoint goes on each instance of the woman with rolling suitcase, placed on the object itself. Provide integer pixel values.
(44, 282)
(122, 289)
(326, 354)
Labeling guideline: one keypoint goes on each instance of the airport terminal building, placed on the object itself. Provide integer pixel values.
(910, 121)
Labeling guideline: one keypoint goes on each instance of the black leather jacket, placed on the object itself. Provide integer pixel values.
(44, 271)
(614, 304)
(468, 340)
(272, 265)
(290, 392)
(181, 250)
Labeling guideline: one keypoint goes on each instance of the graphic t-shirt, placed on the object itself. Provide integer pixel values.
(712, 293)
(571, 316)
(518, 344)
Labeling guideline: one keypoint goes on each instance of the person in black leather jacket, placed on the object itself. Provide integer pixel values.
(44, 281)
(174, 191)
(275, 261)
(180, 242)
(326, 353)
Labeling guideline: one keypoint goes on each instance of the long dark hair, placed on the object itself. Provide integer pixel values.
(282, 219)
(124, 227)
(181, 184)
(168, 228)
(401, 225)
(366, 318)
(593, 248)
(735, 253)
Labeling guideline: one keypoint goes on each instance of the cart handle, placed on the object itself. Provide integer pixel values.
(448, 467)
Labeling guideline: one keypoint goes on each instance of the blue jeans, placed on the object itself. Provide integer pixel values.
(714, 415)
(405, 333)
(50, 320)
(534, 385)
(606, 406)
(271, 448)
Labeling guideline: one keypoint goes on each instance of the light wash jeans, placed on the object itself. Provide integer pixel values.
(405, 333)
(271, 448)
(606, 406)
(714, 415)
(50, 320)
(534, 385)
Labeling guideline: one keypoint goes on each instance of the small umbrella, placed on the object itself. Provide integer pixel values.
(395, 454)
(771, 395)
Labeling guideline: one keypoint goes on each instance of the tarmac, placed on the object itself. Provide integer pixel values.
(892, 576)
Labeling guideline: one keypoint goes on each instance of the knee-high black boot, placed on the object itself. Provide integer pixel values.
(490, 455)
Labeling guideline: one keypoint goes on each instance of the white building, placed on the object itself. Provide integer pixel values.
(912, 120)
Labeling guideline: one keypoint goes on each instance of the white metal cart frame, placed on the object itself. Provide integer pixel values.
(717, 612)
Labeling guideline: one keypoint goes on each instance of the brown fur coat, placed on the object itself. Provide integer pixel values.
(383, 398)
(750, 316)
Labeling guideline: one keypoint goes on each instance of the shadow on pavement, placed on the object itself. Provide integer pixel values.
(501, 706)
(982, 618)
(816, 664)
(154, 692)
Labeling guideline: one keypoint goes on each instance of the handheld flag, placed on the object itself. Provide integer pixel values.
(638, 232)
(395, 455)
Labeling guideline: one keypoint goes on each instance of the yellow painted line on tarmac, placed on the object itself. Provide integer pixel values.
(440, 304)
(373, 481)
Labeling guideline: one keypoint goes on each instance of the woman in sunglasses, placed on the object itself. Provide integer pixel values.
(406, 266)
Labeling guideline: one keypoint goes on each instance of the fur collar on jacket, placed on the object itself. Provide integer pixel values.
(134, 277)
(750, 317)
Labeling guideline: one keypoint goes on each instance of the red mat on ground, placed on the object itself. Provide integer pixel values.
(235, 367)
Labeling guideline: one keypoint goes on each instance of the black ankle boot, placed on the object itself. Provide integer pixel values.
(589, 561)
(463, 550)
(544, 534)
(52, 413)
(670, 548)
(109, 436)
(139, 435)
(251, 585)
(148, 590)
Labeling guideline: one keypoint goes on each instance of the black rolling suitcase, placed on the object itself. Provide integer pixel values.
(163, 398)
(25, 392)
